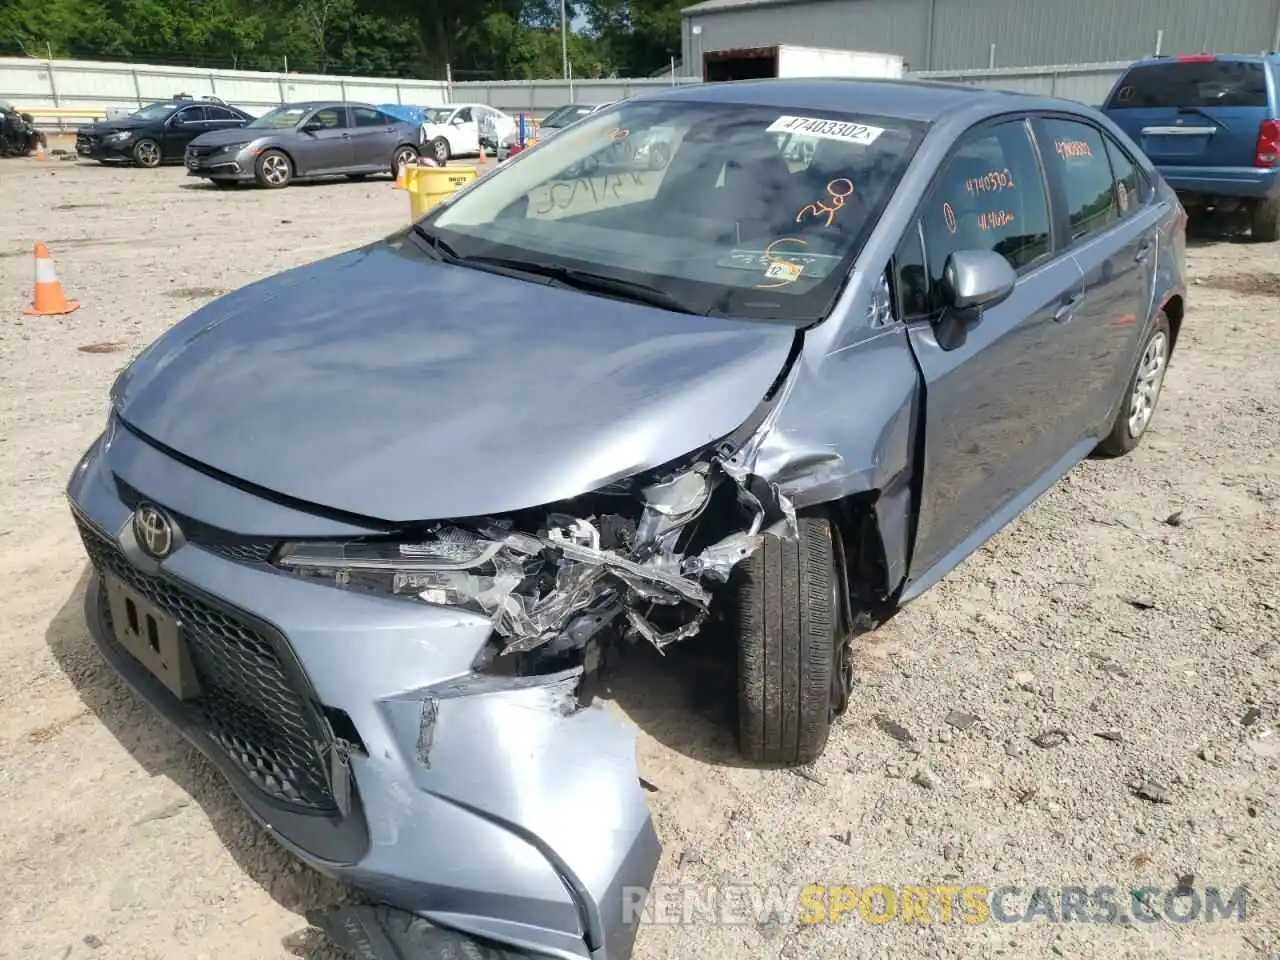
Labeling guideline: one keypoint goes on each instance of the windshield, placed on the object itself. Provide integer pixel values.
(731, 209)
(281, 118)
(439, 114)
(155, 111)
(1192, 83)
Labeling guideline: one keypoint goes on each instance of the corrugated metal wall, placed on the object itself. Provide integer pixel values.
(957, 34)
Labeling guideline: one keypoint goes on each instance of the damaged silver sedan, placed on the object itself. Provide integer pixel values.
(369, 531)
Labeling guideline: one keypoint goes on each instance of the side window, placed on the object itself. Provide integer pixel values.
(368, 117)
(221, 114)
(1077, 159)
(988, 196)
(465, 115)
(333, 118)
(912, 278)
(1133, 189)
(191, 115)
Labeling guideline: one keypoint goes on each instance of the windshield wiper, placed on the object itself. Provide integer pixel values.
(436, 244)
(589, 282)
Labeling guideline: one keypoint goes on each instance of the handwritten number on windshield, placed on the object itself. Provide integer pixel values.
(837, 191)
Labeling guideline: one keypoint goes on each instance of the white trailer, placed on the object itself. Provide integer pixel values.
(789, 60)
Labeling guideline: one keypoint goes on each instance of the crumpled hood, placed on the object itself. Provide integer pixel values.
(387, 385)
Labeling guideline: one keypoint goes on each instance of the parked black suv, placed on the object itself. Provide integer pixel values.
(158, 133)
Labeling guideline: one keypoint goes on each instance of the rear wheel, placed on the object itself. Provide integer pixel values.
(404, 156)
(273, 170)
(1139, 405)
(1266, 220)
(794, 653)
(146, 153)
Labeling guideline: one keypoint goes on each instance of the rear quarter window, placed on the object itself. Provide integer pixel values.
(1192, 83)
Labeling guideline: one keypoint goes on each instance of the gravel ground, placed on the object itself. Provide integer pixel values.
(1137, 599)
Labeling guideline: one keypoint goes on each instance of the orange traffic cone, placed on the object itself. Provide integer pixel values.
(483, 159)
(40, 153)
(48, 300)
(400, 178)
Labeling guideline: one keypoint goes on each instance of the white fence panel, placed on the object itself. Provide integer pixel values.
(1088, 83)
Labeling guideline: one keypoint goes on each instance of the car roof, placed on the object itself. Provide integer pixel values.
(1208, 57)
(925, 100)
(317, 104)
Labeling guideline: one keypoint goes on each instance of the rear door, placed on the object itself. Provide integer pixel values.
(992, 427)
(374, 137)
(1110, 228)
(221, 118)
(1199, 111)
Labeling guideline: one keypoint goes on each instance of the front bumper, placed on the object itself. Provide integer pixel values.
(490, 806)
(218, 164)
(92, 148)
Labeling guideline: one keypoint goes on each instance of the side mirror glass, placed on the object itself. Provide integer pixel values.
(975, 279)
(311, 126)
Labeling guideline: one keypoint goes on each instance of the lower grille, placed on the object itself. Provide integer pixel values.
(248, 705)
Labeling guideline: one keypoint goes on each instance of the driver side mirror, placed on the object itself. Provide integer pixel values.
(972, 281)
(312, 126)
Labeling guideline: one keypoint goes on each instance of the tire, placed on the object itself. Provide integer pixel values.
(1266, 221)
(146, 153)
(1131, 425)
(404, 154)
(794, 655)
(274, 170)
(440, 150)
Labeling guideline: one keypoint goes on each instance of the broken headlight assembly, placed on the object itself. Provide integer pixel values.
(634, 554)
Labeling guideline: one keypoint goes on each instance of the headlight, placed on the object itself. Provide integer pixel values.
(119, 137)
(454, 567)
(234, 147)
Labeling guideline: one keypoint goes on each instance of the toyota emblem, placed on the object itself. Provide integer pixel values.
(153, 531)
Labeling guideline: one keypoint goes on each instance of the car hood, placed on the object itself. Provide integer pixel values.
(394, 387)
(114, 126)
(215, 138)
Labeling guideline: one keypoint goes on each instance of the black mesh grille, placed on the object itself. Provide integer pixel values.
(223, 543)
(247, 704)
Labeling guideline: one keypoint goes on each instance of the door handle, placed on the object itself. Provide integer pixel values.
(1144, 251)
(346, 136)
(1066, 310)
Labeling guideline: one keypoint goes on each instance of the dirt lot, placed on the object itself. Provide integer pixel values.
(1137, 599)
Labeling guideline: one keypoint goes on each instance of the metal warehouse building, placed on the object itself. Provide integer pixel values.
(978, 34)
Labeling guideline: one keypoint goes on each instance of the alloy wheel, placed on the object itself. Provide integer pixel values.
(405, 157)
(148, 154)
(275, 169)
(1147, 383)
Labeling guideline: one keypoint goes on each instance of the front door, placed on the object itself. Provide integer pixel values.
(328, 148)
(465, 138)
(1111, 231)
(181, 128)
(991, 402)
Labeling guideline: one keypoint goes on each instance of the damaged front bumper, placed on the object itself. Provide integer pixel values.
(436, 755)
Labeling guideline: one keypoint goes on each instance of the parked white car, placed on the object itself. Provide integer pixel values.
(458, 129)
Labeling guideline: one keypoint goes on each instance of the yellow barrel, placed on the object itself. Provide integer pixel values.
(427, 186)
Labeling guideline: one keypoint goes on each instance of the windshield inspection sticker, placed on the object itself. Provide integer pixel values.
(827, 129)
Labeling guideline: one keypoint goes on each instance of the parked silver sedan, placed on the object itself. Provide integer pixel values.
(302, 141)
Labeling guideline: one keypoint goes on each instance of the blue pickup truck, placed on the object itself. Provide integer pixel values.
(1211, 126)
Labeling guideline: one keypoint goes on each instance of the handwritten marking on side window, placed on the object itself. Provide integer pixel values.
(992, 182)
(949, 215)
(837, 191)
(1073, 149)
(1125, 94)
(994, 220)
(784, 271)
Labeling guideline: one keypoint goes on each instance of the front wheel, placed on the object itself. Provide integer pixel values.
(273, 170)
(146, 153)
(794, 652)
(1143, 392)
(440, 150)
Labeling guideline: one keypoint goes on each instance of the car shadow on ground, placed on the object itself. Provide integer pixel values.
(204, 186)
(162, 751)
(685, 698)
